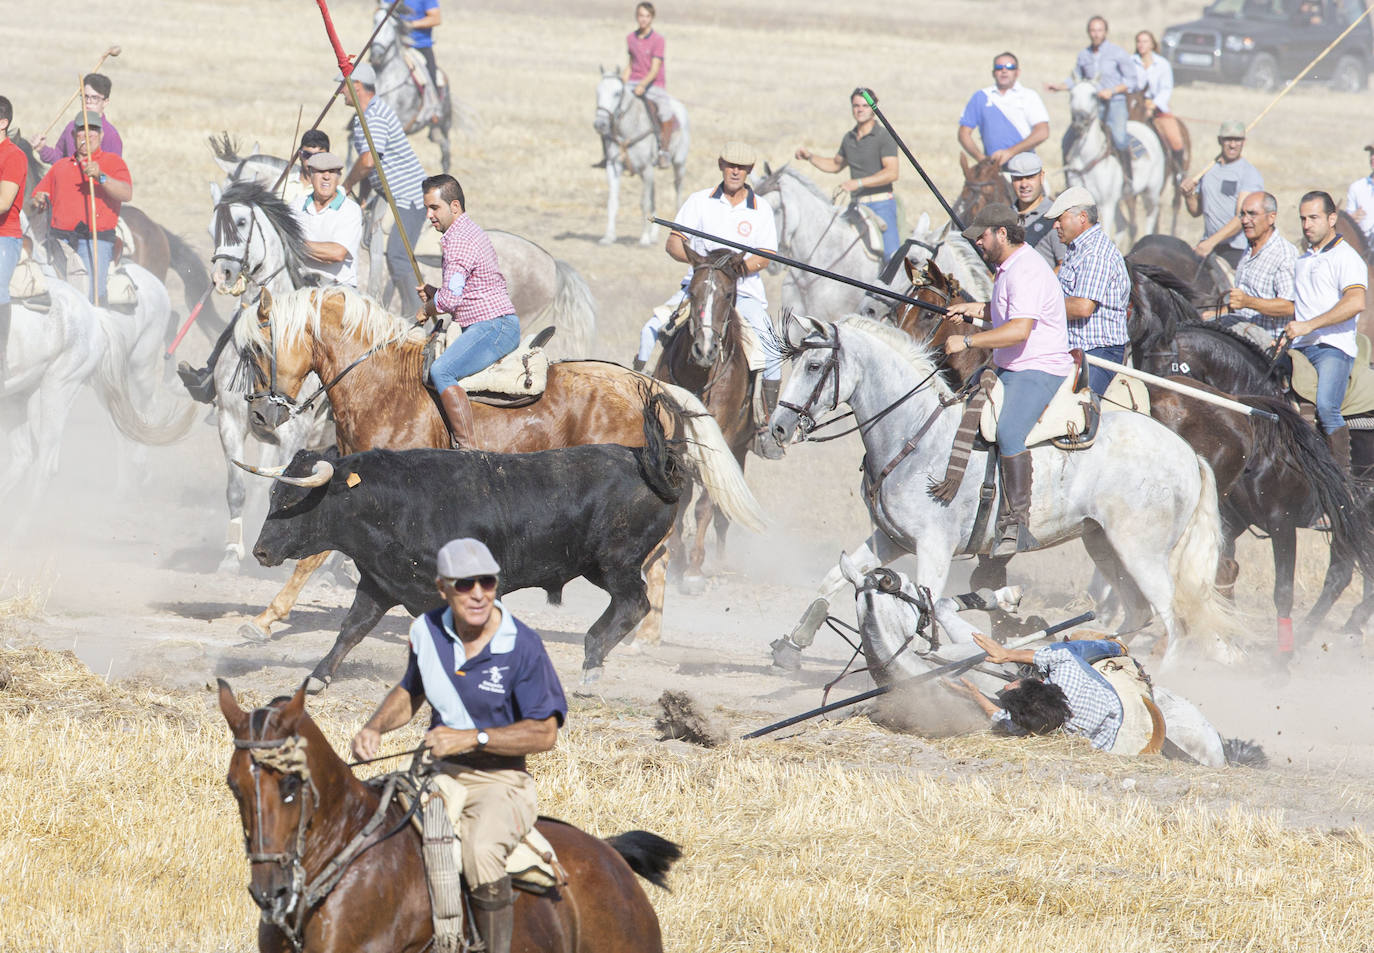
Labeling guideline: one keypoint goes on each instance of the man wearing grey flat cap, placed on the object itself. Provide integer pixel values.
(1027, 174)
(496, 699)
(1095, 282)
(1218, 194)
(331, 224)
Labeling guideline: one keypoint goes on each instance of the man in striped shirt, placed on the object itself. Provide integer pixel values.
(404, 174)
(1096, 285)
(474, 293)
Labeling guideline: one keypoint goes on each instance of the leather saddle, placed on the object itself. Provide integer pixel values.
(870, 228)
(1069, 421)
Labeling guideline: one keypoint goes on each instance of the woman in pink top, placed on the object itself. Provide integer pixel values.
(1030, 342)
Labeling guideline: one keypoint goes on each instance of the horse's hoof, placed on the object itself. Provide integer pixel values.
(692, 585)
(250, 631)
(590, 676)
(631, 647)
(645, 241)
(229, 563)
(606, 240)
(316, 684)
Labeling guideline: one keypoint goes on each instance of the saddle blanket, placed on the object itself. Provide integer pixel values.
(870, 228)
(1126, 393)
(1359, 391)
(523, 372)
(1069, 414)
(28, 282)
(1142, 726)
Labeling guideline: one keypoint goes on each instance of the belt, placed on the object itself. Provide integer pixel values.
(877, 197)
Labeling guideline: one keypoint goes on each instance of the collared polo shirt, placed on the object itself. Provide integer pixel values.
(1267, 273)
(14, 167)
(1040, 233)
(1360, 196)
(69, 190)
(748, 223)
(865, 156)
(1095, 269)
(1220, 189)
(1003, 119)
(341, 221)
(643, 51)
(1319, 280)
(1025, 287)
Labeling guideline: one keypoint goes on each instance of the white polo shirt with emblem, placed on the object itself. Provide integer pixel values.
(340, 221)
(748, 223)
(1319, 280)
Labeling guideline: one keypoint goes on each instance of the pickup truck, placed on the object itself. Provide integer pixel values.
(1264, 43)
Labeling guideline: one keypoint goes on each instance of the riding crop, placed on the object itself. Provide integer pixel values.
(951, 669)
(112, 51)
(873, 105)
(346, 68)
(95, 243)
(190, 320)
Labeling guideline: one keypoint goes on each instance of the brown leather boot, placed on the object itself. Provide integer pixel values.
(1339, 442)
(493, 913)
(665, 136)
(1015, 525)
(458, 410)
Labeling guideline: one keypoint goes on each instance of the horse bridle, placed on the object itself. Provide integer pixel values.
(830, 371)
(224, 220)
(622, 106)
(889, 583)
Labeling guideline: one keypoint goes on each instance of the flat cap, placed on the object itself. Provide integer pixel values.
(466, 558)
(1076, 197)
(1232, 129)
(735, 152)
(1023, 164)
(363, 73)
(996, 215)
(324, 162)
(89, 121)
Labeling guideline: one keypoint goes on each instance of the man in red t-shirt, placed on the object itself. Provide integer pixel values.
(645, 70)
(14, 170)
(67, 189)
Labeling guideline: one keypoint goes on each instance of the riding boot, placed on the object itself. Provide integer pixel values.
(200, 381)
(1014, 527)
(601, 164)
(665, 135)
(458, 411)
(4, 341)
(637, 366)
(1339, 442)
(764, 444)
(1124, 157)
(493, 913)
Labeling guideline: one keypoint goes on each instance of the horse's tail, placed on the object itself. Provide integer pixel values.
(1247, 753)
(660, 460)
(715, 464)
(648, 855)
(112, 384)
(1198, 606)
(572, 311)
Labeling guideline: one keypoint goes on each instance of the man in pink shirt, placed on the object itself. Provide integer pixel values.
(474, 293)
(1030, 342)
(645, 70)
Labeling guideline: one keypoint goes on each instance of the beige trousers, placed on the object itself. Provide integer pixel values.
(498, 809)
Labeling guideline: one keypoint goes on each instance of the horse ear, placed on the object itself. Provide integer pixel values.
(292, 711)
(216, 193)
(767, 170)
(255, 150)
(233, 714)
(694, 259)
(923, 224)
(793, 331)
(910, 270)
(264, 305)
(936, 275)
(850, 571)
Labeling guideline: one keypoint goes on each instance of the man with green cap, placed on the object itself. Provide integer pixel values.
(1218, 194)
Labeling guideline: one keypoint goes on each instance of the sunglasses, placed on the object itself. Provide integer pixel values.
(1005, 67)
(488, 583)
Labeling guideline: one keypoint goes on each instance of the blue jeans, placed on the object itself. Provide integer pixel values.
(479, 346)
(9, 257)
(1115, 114)
(398, 263)
(1098, 378)
(1333, 375)
(83, 251)
(887, 211)
(1025, 395)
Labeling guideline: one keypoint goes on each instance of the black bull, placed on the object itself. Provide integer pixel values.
(597, 512)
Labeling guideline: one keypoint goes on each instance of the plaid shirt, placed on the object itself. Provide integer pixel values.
(1095, 269)
(1268, 274)
(474, 289)
(1096, 707)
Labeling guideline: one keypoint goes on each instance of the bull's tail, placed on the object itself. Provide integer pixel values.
(1198, 606)
(714, 463)
(648, 855)
(660, 460)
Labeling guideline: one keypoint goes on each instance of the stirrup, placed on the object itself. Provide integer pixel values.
(198, 381)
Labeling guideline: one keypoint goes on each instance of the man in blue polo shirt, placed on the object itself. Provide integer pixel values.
(1010, 118)
(496, 699)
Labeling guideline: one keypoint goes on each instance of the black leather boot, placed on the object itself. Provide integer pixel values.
(493, 913)
(764, 444)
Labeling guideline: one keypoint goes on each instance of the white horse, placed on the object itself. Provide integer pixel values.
(1090, 162)
(630, 143)
(899, 644)
(258, 245)
(814, 230)
(1143, 503)
(421, 102)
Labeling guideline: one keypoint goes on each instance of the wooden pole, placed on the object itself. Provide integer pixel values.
(91, 182)
(112, 51)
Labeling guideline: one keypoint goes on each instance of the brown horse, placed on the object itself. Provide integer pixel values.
(706, 355)
(1350, 230)
(373, 361)
(306, 816)
(984, 185)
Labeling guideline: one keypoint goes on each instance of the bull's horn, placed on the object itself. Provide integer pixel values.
(319, 476)
(272, 472)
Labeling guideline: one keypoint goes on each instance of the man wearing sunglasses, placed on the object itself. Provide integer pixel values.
(496, 699)
(1010, 118)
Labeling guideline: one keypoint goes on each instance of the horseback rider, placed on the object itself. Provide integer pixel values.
(1155, 78)
(1029, 338)
(1218, 193)
(1011, 119)
(496, 699)
(1110, 70)
(870, 153)
(645, 70)
(421, 17)
(474, 293)
(1263, 294)
(1359, 199)
(14, 172)
(67, 187)
(95, 94)
(1095, 282)
(1028, 183)
(331, 224)
(731, 210)
(1330, 282)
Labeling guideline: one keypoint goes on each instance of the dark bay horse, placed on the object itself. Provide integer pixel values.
(373, 360)
(983, 185)
(706, 356)
(1206, 280)
(302, 807)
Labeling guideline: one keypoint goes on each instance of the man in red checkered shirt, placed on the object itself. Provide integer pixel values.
(474, 293)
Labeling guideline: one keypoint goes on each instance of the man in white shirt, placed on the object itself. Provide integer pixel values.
(1359, 199)
(1010, 118)
(1329, 282)
(331, 224)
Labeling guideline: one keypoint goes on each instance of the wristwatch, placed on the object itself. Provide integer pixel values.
(102, 178)
(482, 739)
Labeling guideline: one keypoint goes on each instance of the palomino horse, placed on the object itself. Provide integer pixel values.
(373, 361)
(630, 143)
(984, 185)
(706, 355)
(420, 101)
(307, 817)
(814, 230)
(1090, 162)
(1143, 503)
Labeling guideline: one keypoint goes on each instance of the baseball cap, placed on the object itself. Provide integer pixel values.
(465, 558)
(90, 121)
(324, 162)
(1071, 198)
(735, 152)
(1023, 164)
(363, 73)
(1232, 129)
(996, 215)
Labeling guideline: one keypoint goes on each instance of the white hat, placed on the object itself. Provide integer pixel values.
(465, 559)
(735, 152)
(363, 73)
(1076, 197)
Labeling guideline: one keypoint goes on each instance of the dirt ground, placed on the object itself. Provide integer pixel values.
(126, 562)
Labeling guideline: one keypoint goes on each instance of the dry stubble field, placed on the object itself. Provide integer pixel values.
(845, 835)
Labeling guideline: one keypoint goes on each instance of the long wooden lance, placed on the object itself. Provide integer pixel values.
(90, 184)
(950, 670)
(879, 290)
(346, 68)
(873, 105)
(112, 51)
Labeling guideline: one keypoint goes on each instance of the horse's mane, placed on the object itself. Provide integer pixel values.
(294, 313)
(1243, 344)
(279, 216)
(918, 355)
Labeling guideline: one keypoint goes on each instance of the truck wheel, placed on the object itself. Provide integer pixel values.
(1349, 75)
(1263, 73)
